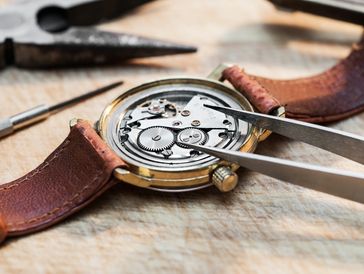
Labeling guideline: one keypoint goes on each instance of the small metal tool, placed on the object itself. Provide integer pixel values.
(349, 185)
(351, 11)
(348, 145)
(42, 112)
(45, 33)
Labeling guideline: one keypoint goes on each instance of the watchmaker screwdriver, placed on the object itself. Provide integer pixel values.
(42, 112)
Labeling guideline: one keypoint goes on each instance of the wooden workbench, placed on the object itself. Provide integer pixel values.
(264, 226)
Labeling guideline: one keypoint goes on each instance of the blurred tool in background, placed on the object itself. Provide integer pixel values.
(351, 11)
(45, 33)
(42, 112)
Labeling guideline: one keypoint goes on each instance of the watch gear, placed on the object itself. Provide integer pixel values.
(191, 135)
(156, 139)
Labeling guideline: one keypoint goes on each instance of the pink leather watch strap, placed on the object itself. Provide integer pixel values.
(330, 96)
(77, 172)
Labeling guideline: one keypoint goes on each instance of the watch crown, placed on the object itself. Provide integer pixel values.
(224, 179)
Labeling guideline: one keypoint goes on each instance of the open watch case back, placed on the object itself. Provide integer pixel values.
(147, 126)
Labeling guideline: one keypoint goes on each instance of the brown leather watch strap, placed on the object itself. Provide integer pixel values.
(257, 94)
(77, 172)
(330, 96)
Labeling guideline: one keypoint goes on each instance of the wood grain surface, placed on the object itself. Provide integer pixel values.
(264, 226)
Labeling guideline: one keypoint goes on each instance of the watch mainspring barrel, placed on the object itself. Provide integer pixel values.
(148, 125)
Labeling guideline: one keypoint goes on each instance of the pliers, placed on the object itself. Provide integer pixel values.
(45, 33)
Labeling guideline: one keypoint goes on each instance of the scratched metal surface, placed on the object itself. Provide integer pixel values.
(263, 226)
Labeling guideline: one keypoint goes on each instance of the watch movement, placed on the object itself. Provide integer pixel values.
(149, 126)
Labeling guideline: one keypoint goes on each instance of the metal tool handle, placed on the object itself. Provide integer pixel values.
(345, 184)
(23, 119)
(342, 143)
(6, 127)
(339, 142)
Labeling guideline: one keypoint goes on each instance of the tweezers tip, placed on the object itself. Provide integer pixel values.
(212, 106)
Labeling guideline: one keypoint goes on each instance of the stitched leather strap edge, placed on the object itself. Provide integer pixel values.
(74, 200)
(332, 95)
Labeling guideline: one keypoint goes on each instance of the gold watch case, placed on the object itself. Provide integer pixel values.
(215, 172)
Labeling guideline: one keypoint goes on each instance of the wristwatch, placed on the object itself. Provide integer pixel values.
(139, 138)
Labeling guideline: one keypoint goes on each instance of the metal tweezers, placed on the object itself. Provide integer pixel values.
(345, 184)
(53, 33)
